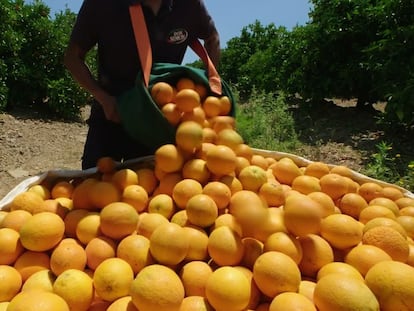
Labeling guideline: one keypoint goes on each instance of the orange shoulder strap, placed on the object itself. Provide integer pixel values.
(145, 53)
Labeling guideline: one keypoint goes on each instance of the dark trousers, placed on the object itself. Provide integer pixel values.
(106, 138)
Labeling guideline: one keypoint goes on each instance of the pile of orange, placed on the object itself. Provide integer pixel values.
(210, 225)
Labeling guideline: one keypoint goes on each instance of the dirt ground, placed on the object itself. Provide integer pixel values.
(335, 134)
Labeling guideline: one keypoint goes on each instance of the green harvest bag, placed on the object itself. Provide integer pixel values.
(140, 115)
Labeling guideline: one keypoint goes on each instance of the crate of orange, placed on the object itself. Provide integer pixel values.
(207, 223)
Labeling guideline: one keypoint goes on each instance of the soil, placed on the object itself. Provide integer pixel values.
(335, 133)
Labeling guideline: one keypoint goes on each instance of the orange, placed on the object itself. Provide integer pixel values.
(42, 232)
(124, 177)
(388, 203)
(384, 221)
(229, 138)
(168, 158)
(232, 182)
(134, 249)
(241, 163)
(162, 93)
(274, 222)
(286, 170)
(30, 262)
(316, 252)
(275, 272)
(228, 289)
(260, 161)
(198, 240)
(285, 243)
(341, 268)
(136, 196)
(201, 89)
(364, 256)
(407, 211)
(247, 208)
(81, 194)
(28, 201)
(209, 135)
(341, 292)
(148, 222)
(185, 83)
(352, 204)
(196, 115)
(225, 246)
(407, 223)
(189, 136)
(122, 304)
(334, 185)
(40, 280)
(15, 219)
(289, 301)
(306, 288)
(211, 106)
(76, 288)
(10, 284)
(404, 202)
(374, 211)
(302, 215)
(118, 220)
(184, 190)
(252, 177)
(172, 113)
(391, 193)
(112, 279)
(68, 254)
(228, 220)
(391, 282)
(221, 160)
(273, 193)
(255, 294)
(201, 210)
(103, 193)
(342, 170)
(370, 190)
(253, 248)
(341, 231)
(147, 179)
(157, 287)
(98, 249)
(56, 206)
(106, 165)
(196, 169)
(37, 300)
(62, 189)
(187, 99)
(325, 201)
(71, 220)
(225, 105)
(41, 190)
(244, 150)
(194, 275)
(162, 204)
(10, 246)
(317, 169)
(219, 123)
(167, 183)
(219, 192)
(195, 303)
(306, 184)
(169, 244)
(389, 240)
(88, 227)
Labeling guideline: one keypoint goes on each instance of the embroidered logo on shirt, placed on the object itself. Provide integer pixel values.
(177, 36)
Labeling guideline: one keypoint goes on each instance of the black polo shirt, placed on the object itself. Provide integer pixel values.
(107, 24)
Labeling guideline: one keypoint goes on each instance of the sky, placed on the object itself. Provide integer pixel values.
(231, 16)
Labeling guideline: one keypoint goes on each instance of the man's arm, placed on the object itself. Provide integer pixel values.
(212, 45)
(75, 62)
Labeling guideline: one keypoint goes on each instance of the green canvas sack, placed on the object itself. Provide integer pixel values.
(141, 117)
